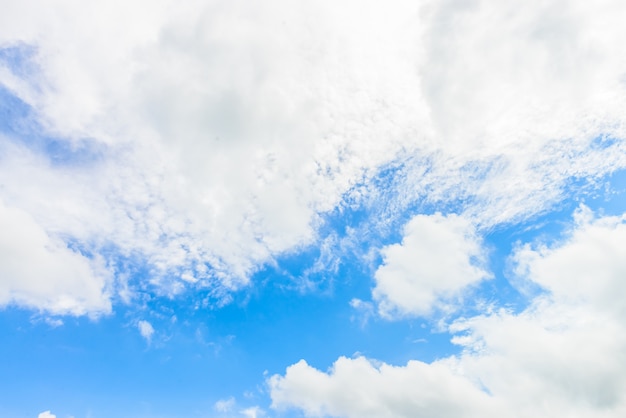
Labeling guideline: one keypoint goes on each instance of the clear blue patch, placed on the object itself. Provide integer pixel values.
(19, 123)
(20, 59)
(14, 113)
(603, 142)
(607, 195)
(73, 153)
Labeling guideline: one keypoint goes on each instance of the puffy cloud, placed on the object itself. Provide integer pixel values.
(588, 269)
(252, 412)
(46, 414)
(207, 139)
(146, 330)
(358, 388)
(438, 257)
(563, 355)
(41, 272)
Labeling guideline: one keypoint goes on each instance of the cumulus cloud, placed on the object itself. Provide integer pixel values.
(563, 355)
(438, 256)
(358, 388)
(208, 139)
(38, 271)
(588, 269)
(146, 330)
(46, 414)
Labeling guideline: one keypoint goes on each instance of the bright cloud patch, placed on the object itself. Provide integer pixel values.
(223, 141)
(590, 269)
(146, 330)
(192, 163)
(46, 414)
(37, 271)
(252, 412)
(564, 355)
(215, 137)
(358, 388)
(225, 405)
(438, 257)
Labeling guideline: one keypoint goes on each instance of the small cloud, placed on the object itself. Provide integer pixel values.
(253, 412)
(46, 414)
(225, 405)
(146, 330)
(54, 322)
(364, 311)
(439, 257)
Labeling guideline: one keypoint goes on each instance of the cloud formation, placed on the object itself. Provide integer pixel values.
(146, 330)
(438, 256)
(197, 143)
(209, 139)
(562, 355)
(356, 387)
(41, 272)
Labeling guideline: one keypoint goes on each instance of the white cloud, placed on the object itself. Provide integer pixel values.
(171, 98)
(53, 322)
(146, 330)
(564, 355)
(516, 98)
(358, 388)
(41, 272)
(225, 405)
(589, 269)
(438, 257)
(253, 412)
(363, 311)
(222, 130)
(46, 414)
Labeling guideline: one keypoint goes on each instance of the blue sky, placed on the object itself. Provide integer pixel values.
(227, 209)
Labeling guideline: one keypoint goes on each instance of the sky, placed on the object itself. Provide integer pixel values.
(221, 209)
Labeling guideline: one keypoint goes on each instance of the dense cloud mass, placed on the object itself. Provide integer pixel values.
(437, 258)
(207, 139)
(165, 147)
